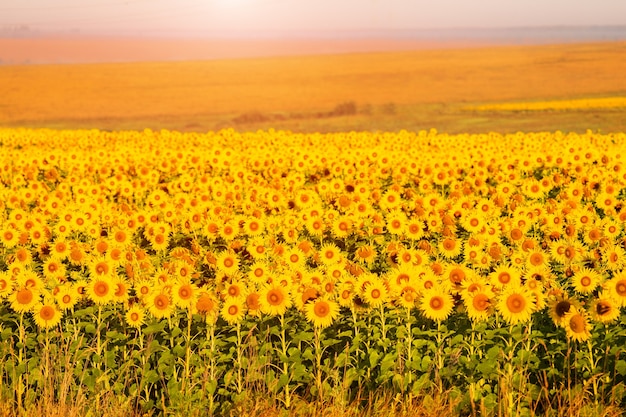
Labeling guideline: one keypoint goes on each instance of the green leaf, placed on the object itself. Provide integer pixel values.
(374, 357)
(620, 367)
(388, 362)
(157, 327)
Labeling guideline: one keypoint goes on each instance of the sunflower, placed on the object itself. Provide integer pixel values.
(9, 237)
(576, 325)
(559, 306)
(345, 294)
(160, 304)
(274, 300)
(408, 298)
(414, 228)
(67, 297)
(253, 226)
(537, 259)
(516, 304)
(135, 316)
(259, 273)
(184, 293)
(613, 257)
(604, 309)
(342, 227)
(321, 312)
(234, 289)
(143, 288)
(585, 280)
(396, 222)
(478, 304)
(23, 256)
(375, 292)
(365, 254)
(121, 288)
(101, 290)
(227, 262)
(436, 303)
(207, 305)
(295, 258)
(617, 288)
(47, 314)
(252, 304)
(505, 275)
(315, 226)
(474, 221)
(330, 254)
(30, 279)
(53, 268)
(6, 284)
(449, 247)
(233, 310)
(23, 299)
(59, 249)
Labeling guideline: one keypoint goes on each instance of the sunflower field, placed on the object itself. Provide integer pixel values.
(173, 272)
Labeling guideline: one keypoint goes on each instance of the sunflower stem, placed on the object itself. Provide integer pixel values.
(283, 342)
(239, 355)
(318, 364)
(439, 359)
(21, 354)
(409, 350)
(592, 367)
(187, 354)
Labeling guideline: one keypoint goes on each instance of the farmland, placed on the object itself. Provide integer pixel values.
(182, 273)
(402, 233)
(385, 91)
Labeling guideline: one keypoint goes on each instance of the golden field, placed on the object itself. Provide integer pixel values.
(384, 91)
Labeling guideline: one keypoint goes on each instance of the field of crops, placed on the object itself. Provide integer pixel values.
(181, 273)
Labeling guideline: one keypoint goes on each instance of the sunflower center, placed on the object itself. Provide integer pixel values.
(516, 303)
(161, 302)
(66, 299)
(577, 323)
(602, 308)
(620, 288)
(253, 301)
(184, 292)
(585, 281)
(120, 290)
(436, 303)
(47, 313)
(321, 309)
(233, 310)
(233, 291)
(536, 259)
(274, 297)
(205, 303)
(102, 268)
(562, 307)
(134, 316)
(449, 244)
(480, 302)
(228, 263)
(456, 276)
(504, 278)
(375, 293)
(101, 288)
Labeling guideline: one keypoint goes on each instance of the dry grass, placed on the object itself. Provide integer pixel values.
(412, 90)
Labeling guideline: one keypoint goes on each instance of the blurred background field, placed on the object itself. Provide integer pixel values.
(324, 89)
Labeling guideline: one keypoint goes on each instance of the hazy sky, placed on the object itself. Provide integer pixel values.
(188, 16)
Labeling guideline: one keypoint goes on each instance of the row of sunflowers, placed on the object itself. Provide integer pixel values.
(400, 236)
